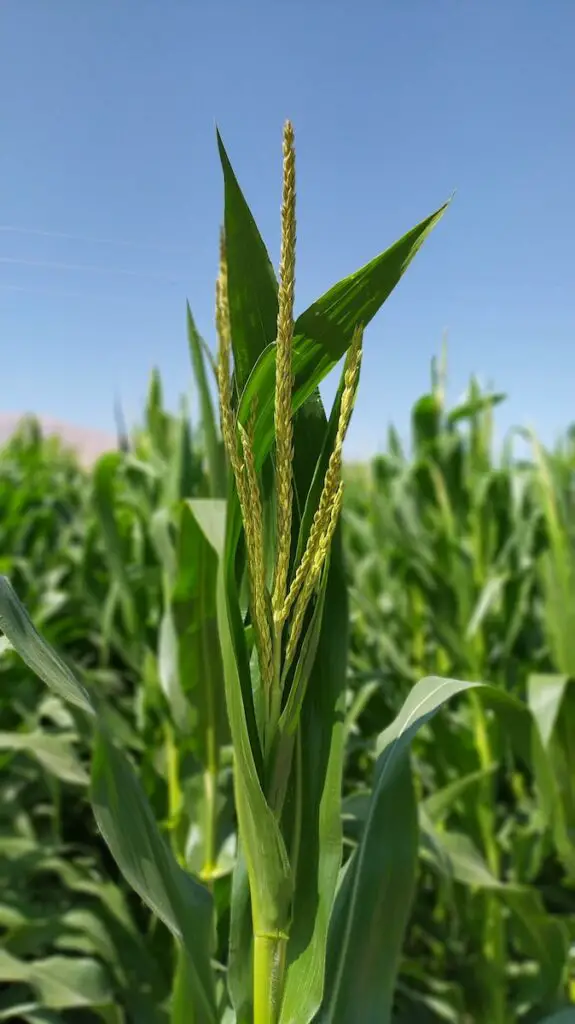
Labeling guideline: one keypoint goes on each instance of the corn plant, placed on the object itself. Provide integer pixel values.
(254, 606)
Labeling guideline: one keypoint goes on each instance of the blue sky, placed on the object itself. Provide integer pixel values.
(108, 114)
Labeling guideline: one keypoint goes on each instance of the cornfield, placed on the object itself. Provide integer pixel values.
(265, 762)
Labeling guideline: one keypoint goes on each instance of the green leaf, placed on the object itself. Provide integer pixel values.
(127, 824)
(323, 333)
(195, 614)
(488, 598)
(182, 1005)
(240, 961)
(156, 420)
(543, 936)
(265, 853)
(31, 1014)
(214, 446)
(183, 472)
(252, 286)
(60, 983)
(552, 701)
(211, 518)
(321, 745)
(545, 695)
(169, 670)
(55, 753)
(264, 849)
(469, 409)
(439, 804)
(373, 904)
(17, 626)
(124, 815)
(426, 422)
(104, 500)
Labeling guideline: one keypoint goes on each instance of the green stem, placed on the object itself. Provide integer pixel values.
(211, 803)
(269, 976)
(174, 791)
(494, 934)
(211, 821)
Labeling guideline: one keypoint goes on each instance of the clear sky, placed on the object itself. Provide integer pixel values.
(108, 113)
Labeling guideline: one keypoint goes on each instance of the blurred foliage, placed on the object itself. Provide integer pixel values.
(461, 563)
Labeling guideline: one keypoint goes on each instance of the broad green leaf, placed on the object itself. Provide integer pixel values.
(552, 701)
(55, 753)
(545, 696)
(17, 626)
(265, 852)
(211, 517)
(124, 815)
(252, 286)
(365, 938)
(384, 874)
(323, 333)
(240, 963)
(127, 824)
(321, 743)
(193, 602)
(213, 443)
(61, 983)
(544, 936)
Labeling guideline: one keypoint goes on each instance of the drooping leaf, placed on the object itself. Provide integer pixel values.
(544, 936)
(16, 624)
(123, 813)
(364, 947)
(127, 824)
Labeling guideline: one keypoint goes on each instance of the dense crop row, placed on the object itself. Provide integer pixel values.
(459, 563)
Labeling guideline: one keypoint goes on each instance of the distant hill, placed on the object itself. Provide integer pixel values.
(89, 444)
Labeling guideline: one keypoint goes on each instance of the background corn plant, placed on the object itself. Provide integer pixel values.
(459, 564)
